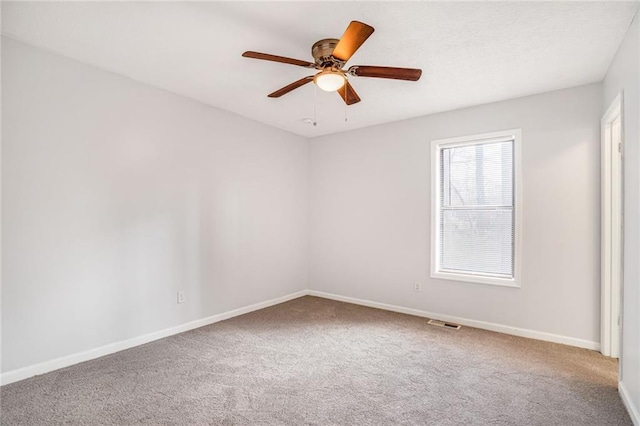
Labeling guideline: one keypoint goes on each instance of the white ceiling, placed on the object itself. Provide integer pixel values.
(470, 53)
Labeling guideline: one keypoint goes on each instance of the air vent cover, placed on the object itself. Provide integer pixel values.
(444, 324)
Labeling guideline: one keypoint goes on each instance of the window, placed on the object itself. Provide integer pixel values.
(476, 208)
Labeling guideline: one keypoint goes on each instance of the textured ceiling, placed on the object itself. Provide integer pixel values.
(470, 53)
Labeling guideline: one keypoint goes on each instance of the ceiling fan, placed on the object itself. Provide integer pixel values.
(330, 56)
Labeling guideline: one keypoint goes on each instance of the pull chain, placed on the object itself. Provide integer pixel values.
(345, 105)
(345, 99)
(315, 104)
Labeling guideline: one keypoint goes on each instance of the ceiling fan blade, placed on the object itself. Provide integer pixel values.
(275, 58)
(356, 34)
(290, 87)
(348, 95)
(412, 74)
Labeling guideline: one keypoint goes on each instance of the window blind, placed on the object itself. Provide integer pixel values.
(477, 208)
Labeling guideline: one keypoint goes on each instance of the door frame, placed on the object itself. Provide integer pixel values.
(612, 201)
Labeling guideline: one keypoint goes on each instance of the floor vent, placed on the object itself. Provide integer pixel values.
(444, 324)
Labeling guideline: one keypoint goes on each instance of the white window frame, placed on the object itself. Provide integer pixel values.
(436, 147)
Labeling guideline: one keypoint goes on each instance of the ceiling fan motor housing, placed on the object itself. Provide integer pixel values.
(322, 52)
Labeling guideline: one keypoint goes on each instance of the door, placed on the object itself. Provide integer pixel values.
(611, 223)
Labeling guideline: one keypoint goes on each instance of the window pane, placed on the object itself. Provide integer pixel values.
(477, 175)
(477, 241)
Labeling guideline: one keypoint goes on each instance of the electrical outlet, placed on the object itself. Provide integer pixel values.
(416, 286)
(181, 297)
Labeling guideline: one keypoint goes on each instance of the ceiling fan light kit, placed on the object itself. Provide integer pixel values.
(329, 80)
(330, 56)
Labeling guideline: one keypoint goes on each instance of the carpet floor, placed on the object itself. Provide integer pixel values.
(313, 361)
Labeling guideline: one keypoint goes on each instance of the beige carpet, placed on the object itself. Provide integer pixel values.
(315, 361)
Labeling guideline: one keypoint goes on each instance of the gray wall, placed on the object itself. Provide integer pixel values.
(370, 215)
(624, 76)
(116, 195)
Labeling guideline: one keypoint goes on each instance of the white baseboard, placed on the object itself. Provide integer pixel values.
(66, 361)
(628, 403)
(515, 331)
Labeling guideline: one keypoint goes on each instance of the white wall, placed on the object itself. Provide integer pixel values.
(370, 214)
(115, 195)
(624, 75)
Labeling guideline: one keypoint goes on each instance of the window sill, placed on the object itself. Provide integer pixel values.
(477, 279)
